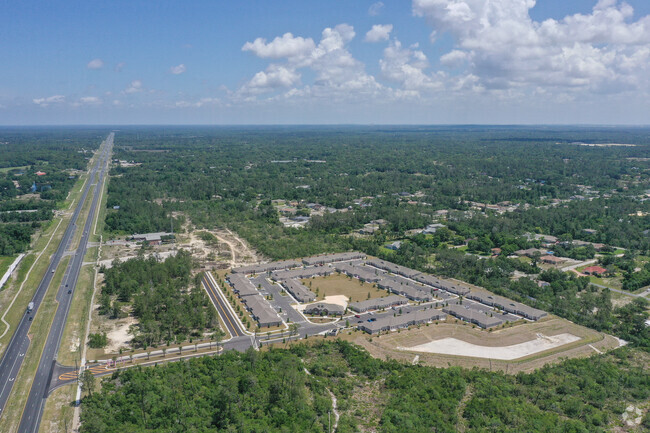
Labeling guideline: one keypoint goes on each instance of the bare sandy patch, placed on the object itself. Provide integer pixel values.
(453, 346)
(119, 336)
(341, 300)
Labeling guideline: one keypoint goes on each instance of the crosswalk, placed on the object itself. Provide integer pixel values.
(95, 369)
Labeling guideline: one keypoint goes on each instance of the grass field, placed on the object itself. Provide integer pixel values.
(336, 284)
(5, 262)
(8, 169)
(386, 345)
(59, 410)
(75, 326)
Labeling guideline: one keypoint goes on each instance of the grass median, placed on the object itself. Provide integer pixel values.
(39, 332)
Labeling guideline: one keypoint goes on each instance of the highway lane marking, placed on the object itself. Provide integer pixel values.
(225, 311)
(209, 285)
(220, 308)
(74, 220)
(227, 306)
(223, 307)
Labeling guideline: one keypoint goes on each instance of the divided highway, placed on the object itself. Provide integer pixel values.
(15, 353)
(38, 394)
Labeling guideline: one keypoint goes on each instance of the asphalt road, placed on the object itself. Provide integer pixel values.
(33, 410)
(230, 319)
(14, 354)
(279, 302)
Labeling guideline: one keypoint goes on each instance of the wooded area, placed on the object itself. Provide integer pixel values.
(270, 392)
(170, 306)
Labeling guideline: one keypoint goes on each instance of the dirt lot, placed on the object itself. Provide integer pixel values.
(387, 345)
(219, 248)
(336, 284)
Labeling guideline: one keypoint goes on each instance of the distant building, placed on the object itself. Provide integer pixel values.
(530, 252)
(390, 322)
(266, 267)
(299, 291)
(594, 270)
(551, 260)
(331, 258)
(377, 304)
(325, 309)
(472, 316)
(432, 228)
(394, 245)
(153, 238)
(369, 229)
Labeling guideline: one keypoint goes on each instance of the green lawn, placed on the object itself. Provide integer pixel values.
(8, 169)
(5, 262)
(614, 283)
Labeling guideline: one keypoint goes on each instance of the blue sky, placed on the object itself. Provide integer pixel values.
(428, 61)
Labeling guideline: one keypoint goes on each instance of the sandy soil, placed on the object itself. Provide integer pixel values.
(453, 346)
(385, 347)
(334, 299)
(119, 336)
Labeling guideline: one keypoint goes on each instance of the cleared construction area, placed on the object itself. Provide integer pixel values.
(454, 346)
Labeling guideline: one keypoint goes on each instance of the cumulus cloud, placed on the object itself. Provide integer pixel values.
(95, 64)
(379, 32)
(44, 102)
(282, 46)
(120, 66)
(273, 77)
(407, 66)
(177, 70)
(502, 47)
(375, 9)
(134, 87)
(335, 69)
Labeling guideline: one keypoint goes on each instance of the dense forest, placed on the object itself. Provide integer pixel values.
(225, 176)
(169, 305)
(38, 168)
(271, 392)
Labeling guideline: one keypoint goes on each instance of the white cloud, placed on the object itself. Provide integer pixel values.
(285, 46)
(44, 102)
(86, 100)
(95, 64)
(337, 72)
(177, 70)
(90, 100)
(273, 77)
(406, 66)
(197, 104)
(454, 58)
(375, 9)
(502, 47)
(379, 32)
(120, 66)
(134, 87)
